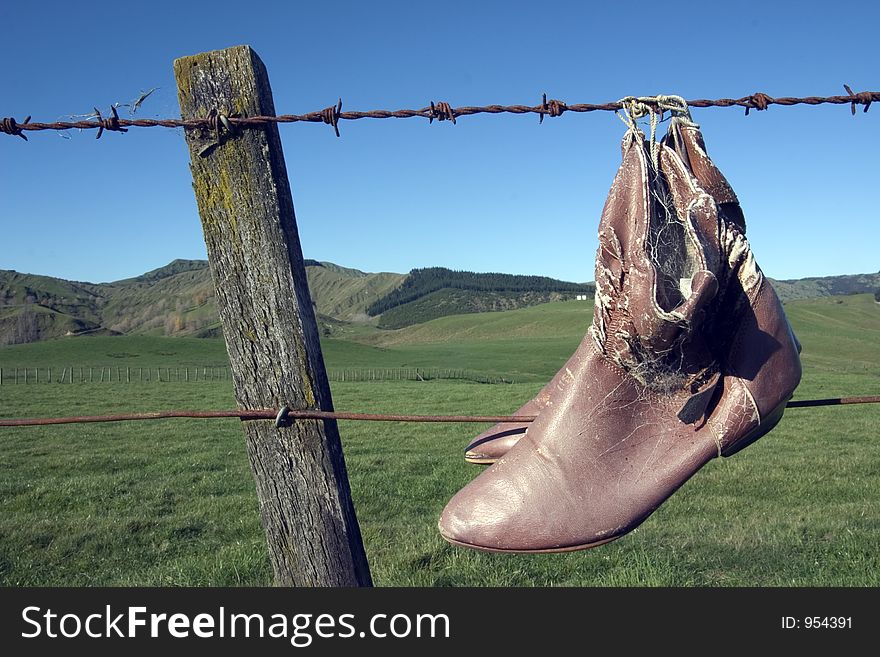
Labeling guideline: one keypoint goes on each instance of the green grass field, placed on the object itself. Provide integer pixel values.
(173, 503)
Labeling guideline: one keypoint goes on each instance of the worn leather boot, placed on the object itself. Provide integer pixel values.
(689, 357)
(685, 138)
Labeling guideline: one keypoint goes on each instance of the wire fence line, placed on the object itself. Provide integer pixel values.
(285, 415)
(166, 374)
(221, 124)
(441, 111)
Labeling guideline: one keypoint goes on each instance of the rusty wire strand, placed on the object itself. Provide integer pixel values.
(267, 414)
(440, 111)
(273, 414)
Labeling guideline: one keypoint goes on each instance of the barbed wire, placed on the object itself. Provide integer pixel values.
(441, 111)
(285, 415)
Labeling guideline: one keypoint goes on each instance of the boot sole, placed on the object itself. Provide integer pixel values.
(570, 548)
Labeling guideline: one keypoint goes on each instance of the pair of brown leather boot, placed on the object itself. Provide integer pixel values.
(689, 357)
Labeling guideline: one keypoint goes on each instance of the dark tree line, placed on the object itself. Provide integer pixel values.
(424, 281)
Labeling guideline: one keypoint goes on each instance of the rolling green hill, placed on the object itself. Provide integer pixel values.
(447, 301)
(175, 300)
(40, 307)
(178, 300)
(34, 322)
(524, 345)
(828, 286)
(178, 266)
(840, 334)
(83, 300)
(344, 294)
(560, 319)
(437, 292)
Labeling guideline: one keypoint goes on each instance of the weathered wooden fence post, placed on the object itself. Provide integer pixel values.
(256, 262)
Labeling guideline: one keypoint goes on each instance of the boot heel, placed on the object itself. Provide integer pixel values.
(769, 422)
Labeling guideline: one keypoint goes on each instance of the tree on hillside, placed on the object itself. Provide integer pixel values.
(877, 295)
(26, 329)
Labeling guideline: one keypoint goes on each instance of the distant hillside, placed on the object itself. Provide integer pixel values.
(549, 321)
(178, 299)
(445, 302)
(36, 308)
(84, 300)
(828, 286)
(35, 322)
(345, 294)
(437, 292)
(178, 266)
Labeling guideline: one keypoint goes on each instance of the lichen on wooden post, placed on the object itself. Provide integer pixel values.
(256, 263)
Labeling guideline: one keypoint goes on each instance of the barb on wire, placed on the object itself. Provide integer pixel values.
(862, 98)
(219, 121)
(330, 116)
(553, 108)
(441, 111)
(759, 101)
(285, 415)
(110, 123)
(11, 127)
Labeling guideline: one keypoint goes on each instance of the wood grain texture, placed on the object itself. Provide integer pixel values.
(256, 263)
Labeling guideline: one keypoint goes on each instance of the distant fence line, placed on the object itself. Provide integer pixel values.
(413, 374)
(120, 374)
(111, 374)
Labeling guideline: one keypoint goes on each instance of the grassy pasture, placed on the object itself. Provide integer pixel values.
(172, 502)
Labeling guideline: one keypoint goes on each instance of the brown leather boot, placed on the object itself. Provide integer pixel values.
(685, 138)
(689, 357)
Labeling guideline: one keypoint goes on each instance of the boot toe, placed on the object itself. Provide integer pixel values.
(491, 445)
(479, 517)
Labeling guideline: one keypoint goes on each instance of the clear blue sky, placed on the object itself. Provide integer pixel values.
(493, 193)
